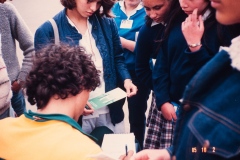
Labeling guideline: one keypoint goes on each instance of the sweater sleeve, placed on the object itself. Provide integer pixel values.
(161, 79)
(5, 86)
(143, 52)
(200, 57)
(118, 53)
(22, 34)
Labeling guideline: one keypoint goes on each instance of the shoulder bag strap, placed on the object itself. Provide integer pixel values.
(55, 30)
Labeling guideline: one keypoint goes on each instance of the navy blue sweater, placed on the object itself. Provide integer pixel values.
(145, 49)
(176, 64)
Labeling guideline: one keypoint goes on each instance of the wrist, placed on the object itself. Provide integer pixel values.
(127, 80)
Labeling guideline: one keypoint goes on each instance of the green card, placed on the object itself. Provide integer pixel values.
(107, 98)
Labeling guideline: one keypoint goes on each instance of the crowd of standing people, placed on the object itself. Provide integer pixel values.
(183, 52)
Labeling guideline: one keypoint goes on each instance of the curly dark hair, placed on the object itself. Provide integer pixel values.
(106, 6)
(60, 70)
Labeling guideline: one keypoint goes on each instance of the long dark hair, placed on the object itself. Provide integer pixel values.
(169, 17)
(104, 10)
(171, 6)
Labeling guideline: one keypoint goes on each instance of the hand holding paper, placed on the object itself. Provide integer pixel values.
(107, 98)
(115, 144)
(130, 88)
(88, 109)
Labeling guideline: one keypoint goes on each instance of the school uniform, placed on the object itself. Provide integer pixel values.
(176, 65)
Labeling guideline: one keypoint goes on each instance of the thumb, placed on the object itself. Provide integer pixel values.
(194, 15)
(128, 91)
(128, 157)
(174, 116)
(130, 154)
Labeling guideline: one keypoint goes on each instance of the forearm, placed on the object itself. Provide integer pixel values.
(199, 57)
(26, 46)
(161, 80)
(128, 44)
(143, 51)
(22, 34)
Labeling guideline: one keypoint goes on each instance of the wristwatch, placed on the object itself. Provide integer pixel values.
(194, 45)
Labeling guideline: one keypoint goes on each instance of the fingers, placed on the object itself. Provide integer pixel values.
(122, 157)
(142, 155)
(168, 111)
(130, 153)
(167, 116)
(128, 156)
(128, 90)
(86, 112)
(194, 16)
(132, 91)
(88, 109)
(89, 105)
(192, 20)
(174, 116)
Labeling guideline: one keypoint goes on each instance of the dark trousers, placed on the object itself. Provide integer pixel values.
(137, 106)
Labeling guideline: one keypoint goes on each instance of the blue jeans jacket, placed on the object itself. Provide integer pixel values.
(106, 36)
(208, 127)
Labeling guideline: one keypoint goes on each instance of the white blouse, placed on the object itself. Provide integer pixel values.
(88, 42)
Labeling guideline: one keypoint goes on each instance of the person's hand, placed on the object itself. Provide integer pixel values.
(192, 29)
(168, 111)
(126, 157)
(2, 1)
(130, 88)
(151, 154)
(88, 111)
(16, 87)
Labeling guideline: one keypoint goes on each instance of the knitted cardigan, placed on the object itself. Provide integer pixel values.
(5, 86)
(12, 27)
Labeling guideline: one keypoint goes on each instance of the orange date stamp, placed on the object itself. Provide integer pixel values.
(203, 149)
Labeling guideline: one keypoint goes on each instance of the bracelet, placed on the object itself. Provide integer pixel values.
(194, 45)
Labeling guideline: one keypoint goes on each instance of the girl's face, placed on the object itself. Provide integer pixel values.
(227, 11)
(87, 7)
(156, 9)
(189, 5)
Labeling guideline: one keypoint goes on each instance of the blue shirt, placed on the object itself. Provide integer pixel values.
(129, 33)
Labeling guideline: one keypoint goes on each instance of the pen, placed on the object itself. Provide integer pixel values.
(126, 148)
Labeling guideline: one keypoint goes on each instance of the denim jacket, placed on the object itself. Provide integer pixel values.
(107, 40)
(209, 122)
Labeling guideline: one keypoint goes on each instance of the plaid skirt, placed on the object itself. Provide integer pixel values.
(160, 131)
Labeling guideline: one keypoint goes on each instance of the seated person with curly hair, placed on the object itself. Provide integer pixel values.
(59, 84)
